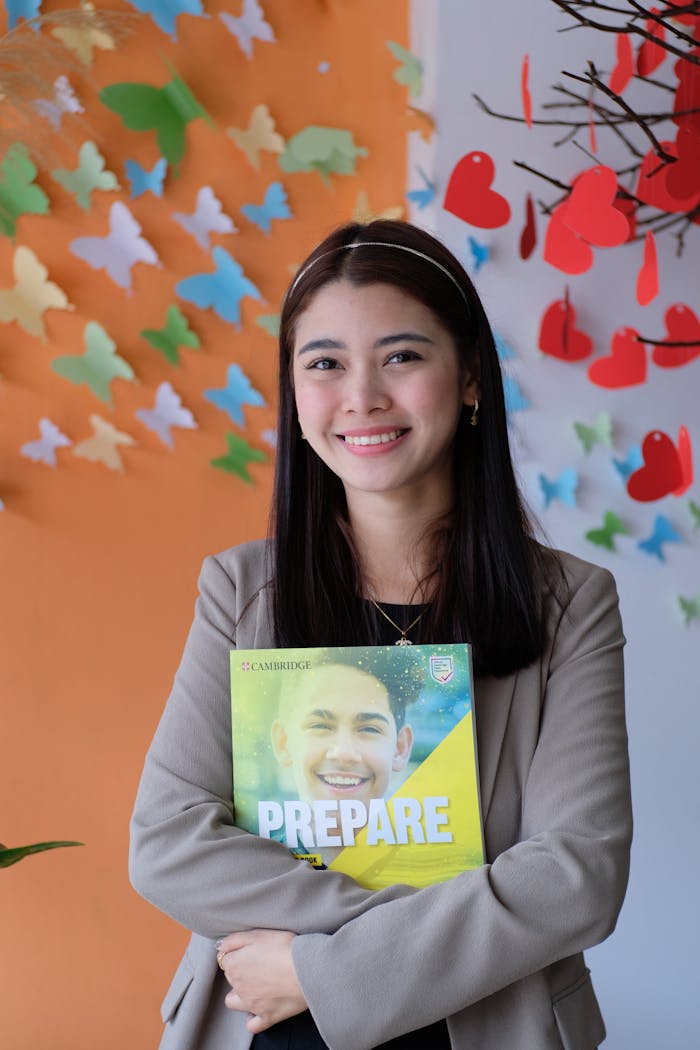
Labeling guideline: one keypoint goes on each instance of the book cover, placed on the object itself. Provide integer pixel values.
(360, 758)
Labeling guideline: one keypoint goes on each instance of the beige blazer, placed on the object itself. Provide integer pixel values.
(497, 951)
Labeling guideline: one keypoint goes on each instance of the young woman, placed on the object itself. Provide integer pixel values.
(397, 518)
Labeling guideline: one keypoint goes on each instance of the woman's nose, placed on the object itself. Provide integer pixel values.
(365, 391)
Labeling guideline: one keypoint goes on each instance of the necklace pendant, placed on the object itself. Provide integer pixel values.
(404, 641)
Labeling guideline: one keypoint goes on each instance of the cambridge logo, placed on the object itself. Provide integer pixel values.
(441, 669)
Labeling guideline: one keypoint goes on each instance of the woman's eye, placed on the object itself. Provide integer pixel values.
(400, 356)
(322, 364)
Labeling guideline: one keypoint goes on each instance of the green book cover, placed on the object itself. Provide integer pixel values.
(360, 758)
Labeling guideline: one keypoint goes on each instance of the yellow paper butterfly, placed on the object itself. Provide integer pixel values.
(86, 34)
(31, 295)
(259, 135)
(103, 446)
(363, 213)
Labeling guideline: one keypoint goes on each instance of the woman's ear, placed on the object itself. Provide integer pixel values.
(472, 391)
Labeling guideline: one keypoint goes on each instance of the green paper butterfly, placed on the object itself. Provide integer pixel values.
(695, 511)
(90, 175)
(98, 366)
(239, 455)
(325, 150)
(690, 607)
(176, 333)
(599, 432)
(167, 111)
(605, 536)
(18, 194)
(410, 72)
(270, 322)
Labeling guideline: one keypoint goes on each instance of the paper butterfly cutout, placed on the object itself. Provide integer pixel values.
(84, 37)
(208, 217)
(24, 9)
(690, 607)
(164, 12)
(168, 412)
(694, 509)
(324, 67)
(258, 136)
(274, 206)
(270, 322)
(325, 150)
(503, 348)
(599, 432)
(63, 101)
(663, 532)
(18, 194)
(249, 27)
(143, 181)
(364, 213)
(237, 392)
(562, 488)
(32, 294)
(514, 398)
(91, 174)
(176, 333)
(425, 196)
(221, 290)
(239, 455)
(103, 446)
(480, 253)
(469, 195)
(98, 366)
(44, 450)
(605, 536)
(120, 250)
(410, 70)
(667, 469)
(167, 111)
(632, 461)
(270, 437)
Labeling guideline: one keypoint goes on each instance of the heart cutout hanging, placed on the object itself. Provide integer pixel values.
(558, 336)
(590, 210)
(682, 326)
(469, 195)
(625, 366)
(563, 249)
(662, 472)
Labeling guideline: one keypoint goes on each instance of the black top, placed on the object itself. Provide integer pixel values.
(300, 1032)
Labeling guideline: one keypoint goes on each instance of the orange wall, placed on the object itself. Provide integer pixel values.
(98, 568)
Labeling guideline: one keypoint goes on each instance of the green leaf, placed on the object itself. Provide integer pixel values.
(11, 856)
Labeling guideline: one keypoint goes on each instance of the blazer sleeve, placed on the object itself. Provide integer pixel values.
(186, 856)
(550, 895)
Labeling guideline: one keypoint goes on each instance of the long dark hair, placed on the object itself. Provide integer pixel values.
(485, 587)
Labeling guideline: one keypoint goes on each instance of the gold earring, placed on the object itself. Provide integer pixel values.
(475, 414)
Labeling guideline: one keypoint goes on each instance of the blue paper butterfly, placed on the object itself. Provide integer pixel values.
(480, 253)
(221, 290)
(237, 392)
(164, 12)
(663, 532)
(422, 197)
(632, 461)
(25, 9)
(562, 488)
(143, 181)
(274, 206)
(514, 397)
(504, 350)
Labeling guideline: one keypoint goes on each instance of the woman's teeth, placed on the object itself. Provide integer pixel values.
(375, 439)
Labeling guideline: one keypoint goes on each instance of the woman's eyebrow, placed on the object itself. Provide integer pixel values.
(402, 337)
(315, 345)
(321, 344)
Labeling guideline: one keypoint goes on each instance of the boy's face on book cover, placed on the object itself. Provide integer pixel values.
(338, 734)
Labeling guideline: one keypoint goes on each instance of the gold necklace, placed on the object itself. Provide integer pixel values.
(403, 640)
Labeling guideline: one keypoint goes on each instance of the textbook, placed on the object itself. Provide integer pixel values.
(360, 758)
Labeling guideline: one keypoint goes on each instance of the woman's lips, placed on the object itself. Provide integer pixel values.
(379, 441)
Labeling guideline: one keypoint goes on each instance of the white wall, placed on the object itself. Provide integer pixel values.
(646, 974)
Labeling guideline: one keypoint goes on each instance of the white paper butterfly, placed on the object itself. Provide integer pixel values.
(119, 250)
(64, 101)
(44, 450)
(249, 27)
(207, 218)
(167, 413)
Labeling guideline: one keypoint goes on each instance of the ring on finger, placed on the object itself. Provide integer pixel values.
(220, 959)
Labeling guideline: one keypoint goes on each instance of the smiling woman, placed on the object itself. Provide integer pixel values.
(396, 519)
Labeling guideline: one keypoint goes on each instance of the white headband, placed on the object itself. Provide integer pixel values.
(381, 244)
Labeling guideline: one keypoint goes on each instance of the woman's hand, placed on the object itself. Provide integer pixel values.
(258, 966)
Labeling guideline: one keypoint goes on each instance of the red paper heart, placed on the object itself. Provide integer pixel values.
(590, 212)
(563, 248)
(685, 455)
(661, 473)
(685, 104)
(528, 238)
(629, 210)
(558, 337)
(469, 195)
(648, 278)
(652, 188)
(650, 56)
(682, 326)
(683, 177)
(626, 365)
(624, 66)
(525, 90)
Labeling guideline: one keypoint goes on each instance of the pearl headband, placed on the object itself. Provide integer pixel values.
(382, 244)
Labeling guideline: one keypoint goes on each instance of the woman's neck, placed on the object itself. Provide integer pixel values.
(394, 542)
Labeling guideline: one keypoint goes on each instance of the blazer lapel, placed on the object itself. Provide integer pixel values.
(492, 703)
